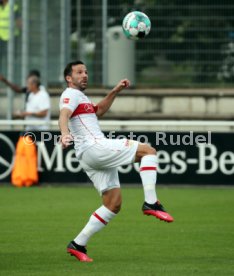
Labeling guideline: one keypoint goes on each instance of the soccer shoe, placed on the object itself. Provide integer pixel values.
(157, 211)
(78, 251)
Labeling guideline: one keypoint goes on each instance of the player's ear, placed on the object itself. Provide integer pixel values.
(68, 78)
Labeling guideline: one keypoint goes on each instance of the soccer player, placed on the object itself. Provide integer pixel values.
(100, 156)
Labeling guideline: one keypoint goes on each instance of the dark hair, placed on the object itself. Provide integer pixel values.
(68, 68)
(34, 72)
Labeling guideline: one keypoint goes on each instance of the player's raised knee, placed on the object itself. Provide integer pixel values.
(152, 151)
(143, 150)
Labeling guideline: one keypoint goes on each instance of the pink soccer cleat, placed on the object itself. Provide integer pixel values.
(157, 211)
(78, 251)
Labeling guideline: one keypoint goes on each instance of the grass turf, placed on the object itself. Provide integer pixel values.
(37, 223)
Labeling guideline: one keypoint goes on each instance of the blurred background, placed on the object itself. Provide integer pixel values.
(190, 48)
(191, 43)
(182, 74)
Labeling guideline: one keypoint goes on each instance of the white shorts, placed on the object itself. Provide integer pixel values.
(101, 161)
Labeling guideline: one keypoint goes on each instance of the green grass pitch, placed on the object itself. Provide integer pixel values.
(37, 223)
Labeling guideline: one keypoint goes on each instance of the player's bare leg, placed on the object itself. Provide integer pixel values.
(147, 157)
(112, 200)
(111, 206)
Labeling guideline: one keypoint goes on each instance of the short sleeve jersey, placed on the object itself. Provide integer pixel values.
(83, 123)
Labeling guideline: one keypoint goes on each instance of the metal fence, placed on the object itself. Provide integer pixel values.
(191, 43)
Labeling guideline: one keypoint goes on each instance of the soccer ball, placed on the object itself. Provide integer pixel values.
(136, 25)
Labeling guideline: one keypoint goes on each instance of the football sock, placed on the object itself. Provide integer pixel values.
(148, 173)
(97, 221)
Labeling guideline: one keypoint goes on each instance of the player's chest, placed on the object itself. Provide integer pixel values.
(84, 99)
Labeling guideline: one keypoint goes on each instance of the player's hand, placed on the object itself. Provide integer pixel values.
(125, 83)
(66, 140)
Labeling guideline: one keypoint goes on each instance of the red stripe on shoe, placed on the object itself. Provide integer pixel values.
(148, 169)
(99, 218)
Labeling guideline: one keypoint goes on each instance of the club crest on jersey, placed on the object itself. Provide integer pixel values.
(66, 100)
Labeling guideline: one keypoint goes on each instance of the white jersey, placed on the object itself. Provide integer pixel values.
(83, 124)
(37, 102)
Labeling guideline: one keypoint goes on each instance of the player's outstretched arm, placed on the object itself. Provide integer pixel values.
(66, 137)
(105, 104)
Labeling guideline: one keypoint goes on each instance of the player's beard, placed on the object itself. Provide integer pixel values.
(81, 85)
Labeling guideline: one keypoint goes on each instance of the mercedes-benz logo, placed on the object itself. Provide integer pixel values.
(88, 108)
(6, 164)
